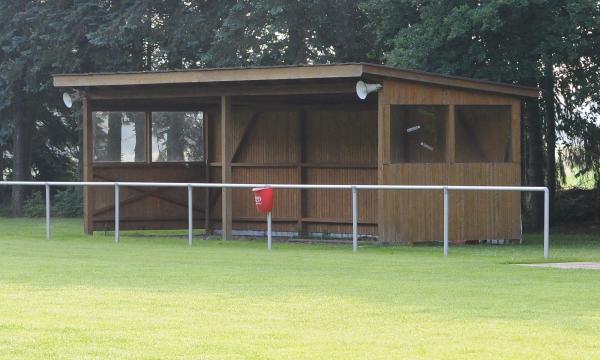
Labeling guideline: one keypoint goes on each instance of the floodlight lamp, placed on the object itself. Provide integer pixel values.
(70, 98)
(363, 89)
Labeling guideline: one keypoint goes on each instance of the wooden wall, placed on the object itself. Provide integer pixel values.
(145, 207)
(269, 143)
(324, 140)
(328, 144)
(416, 216)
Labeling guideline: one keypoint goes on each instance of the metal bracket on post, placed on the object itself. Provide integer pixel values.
(47, 211)
(117, 203)
(190, 215)
(269, 236)
(354, 219)
(445, 220)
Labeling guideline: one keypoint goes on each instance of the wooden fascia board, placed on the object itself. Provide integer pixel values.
(282, 73)
(209, 76)
(215, 90)
(451, 81)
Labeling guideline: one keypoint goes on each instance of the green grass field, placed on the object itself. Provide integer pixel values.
(86, 297)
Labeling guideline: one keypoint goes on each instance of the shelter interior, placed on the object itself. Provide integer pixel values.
(303, 125)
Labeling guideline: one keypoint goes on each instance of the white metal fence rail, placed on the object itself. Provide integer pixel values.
(354, 191)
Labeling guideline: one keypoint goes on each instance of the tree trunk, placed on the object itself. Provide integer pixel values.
(297, 50)
(140, 138)
(21, 158)
(113, 146)
(550, 117)
(535, 160)
(175, 141)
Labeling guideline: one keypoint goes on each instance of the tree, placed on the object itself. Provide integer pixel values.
(276, 32)
(529, 42)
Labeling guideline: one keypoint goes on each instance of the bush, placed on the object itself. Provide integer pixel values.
(69, 202)
(577, 206)
(34, 206)
(65, 203)
(5, 208)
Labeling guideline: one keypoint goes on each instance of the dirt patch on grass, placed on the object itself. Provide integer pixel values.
(568, 265)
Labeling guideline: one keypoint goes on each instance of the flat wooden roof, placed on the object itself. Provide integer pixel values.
(284, 73)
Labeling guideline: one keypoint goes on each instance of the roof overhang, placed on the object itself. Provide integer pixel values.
(282, 73)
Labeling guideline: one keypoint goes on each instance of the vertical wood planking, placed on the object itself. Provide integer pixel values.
(163, 208)
(416, 216)
(226, 208)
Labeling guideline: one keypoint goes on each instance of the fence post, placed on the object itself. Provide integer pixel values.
(190, 215)
(47, 211)
(546, 223)
(269, 237)
(354, 219)
(445, 220)
(117, 203)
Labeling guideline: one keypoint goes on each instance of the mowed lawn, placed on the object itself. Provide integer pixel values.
(82, 296)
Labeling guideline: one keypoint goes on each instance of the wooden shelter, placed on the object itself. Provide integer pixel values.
(303, 124)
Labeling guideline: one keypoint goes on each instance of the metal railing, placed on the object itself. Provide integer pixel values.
(353, 188)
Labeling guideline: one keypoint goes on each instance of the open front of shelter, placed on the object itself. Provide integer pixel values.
(303, 125)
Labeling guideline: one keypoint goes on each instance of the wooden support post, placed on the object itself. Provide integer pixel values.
(451, 135)
(244, 138)
(515, 131)
(382, 132)
(88, 205)
(301, 160)
(226, 218)
(207, 154)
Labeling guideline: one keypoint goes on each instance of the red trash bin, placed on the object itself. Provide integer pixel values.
(263, 197)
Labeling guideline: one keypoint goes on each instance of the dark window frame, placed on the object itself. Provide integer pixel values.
(93, 137)
(147, 139)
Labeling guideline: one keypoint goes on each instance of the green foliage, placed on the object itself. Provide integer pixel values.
(68, 202)
(551, 44)
(65, 203)
(34, 205)
(547, 43)
(577, 206)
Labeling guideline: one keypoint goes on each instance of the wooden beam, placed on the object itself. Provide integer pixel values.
(207, 192)
(515, 132)
(210, 75)
(173, 92)
(244, 138)
(226, 218)
(451, 135)
(383, 118)
(125, 219)
(142, 193)
(284, 73)
(301, 159)
(287, 165)
(449, 80)
(88, 150)
(256, 104)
